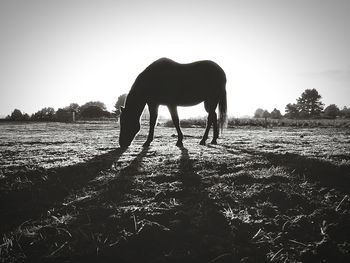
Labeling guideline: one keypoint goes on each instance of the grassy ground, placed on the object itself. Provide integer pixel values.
(260, 195)
(261, 122)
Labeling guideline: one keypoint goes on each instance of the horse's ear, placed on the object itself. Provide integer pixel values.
(121, 109)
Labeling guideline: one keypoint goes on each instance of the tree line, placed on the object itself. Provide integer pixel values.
(307, 106)
(89, 110)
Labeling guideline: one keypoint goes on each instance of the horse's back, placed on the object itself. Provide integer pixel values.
(169, 82)
(164, 65)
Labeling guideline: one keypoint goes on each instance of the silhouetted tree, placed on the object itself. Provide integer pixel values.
(99, 104)
(16, 115)
(120, 102)
(26, 117)
(331, 111)
(292, 111)
(345, 112)
(64, 115)
(309, 104)
(275, 114)
(72, 107)
(259, 113)
(266, 114)
(45, 114)
(94, 112)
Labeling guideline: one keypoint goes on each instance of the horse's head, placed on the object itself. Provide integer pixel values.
(129, 127)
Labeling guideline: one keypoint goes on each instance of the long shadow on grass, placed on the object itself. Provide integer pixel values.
(49, 188)
(324, 172)
(202, 232)
(93, 218)
(117, 187)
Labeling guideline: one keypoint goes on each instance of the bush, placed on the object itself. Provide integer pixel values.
(260, 122)
(188, 123)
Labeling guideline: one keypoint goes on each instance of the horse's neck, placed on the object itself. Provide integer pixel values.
(135, 102)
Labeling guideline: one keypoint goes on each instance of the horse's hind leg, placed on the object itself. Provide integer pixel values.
(153, 114)
(211, 117)
(216, 129)
(209, 122)
(175, 118)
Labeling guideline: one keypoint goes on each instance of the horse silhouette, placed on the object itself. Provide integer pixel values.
(166, 82)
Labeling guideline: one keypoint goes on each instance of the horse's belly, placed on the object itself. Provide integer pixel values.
(180, 98)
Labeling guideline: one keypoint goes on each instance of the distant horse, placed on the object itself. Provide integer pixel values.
(166, 82)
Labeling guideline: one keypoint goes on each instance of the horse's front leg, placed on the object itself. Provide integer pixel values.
(153, 114)
(175, 118)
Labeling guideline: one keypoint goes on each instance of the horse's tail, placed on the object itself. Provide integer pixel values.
(222, 110)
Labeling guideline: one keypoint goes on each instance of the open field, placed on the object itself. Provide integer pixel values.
(69, 194)
(261, 122)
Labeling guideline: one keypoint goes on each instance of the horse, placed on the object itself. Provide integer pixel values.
(166, 82)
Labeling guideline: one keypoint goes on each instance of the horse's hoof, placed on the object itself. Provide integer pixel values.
(214, 142)
(202, 142)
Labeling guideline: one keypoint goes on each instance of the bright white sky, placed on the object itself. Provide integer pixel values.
(53, 53)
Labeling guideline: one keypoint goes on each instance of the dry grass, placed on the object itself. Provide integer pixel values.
(257, 196)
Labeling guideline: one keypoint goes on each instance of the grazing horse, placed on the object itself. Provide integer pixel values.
(166, 82)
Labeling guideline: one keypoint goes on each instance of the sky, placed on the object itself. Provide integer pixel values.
(53, 53)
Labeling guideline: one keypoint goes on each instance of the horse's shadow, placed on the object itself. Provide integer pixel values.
(202, 230)
(187, 174)
(198, 230)
(118, 186)
(59, 183)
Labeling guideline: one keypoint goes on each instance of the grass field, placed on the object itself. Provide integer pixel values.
(69, 194)
(261, 122)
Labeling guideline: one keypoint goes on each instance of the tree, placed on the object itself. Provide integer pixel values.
(292, 111)
(345, 112)
(309, 104)
(26, 117)
(331, 111)
(266, 114)
(64, 115)
(94, 112)
(276, 114)
(16, 115)
(120, 102)
(72, 107)
(45, 114)
(259, 113)
(99, 104)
